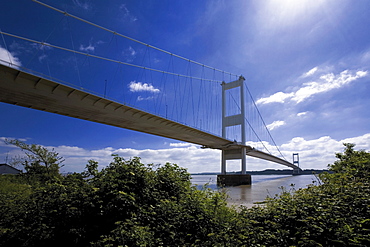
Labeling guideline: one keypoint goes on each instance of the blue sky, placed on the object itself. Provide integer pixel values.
(306, 64)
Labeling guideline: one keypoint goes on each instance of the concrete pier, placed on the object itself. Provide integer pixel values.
(234, 179)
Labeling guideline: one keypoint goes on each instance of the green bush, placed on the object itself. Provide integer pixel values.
(126, 204)
(336, 213)
(132, 204)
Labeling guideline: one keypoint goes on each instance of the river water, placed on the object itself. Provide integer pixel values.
(262, 186)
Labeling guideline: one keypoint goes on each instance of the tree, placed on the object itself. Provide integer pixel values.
(355, 164)
(38, 161)
(91, 169)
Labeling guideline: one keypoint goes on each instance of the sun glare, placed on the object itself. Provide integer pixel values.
(290, 12)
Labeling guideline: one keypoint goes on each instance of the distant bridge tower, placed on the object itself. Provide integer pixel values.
(296, 162)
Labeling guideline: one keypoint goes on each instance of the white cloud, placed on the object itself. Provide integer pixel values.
(140, 98)
(325, 83)
(7, 58)
(129, 54)
(42, 47)
(318, 153)
(193, 158)
(132, 51)
(300, 114)
(310, 72)
(42, 57)
(362, 142)
(278, 97)
(82, 4)
(365, 57)
(91, 47)
(275, 124)
(313, 154)
(181, 144)
(88, 48)
(141, 87)
(328, 82)
(127, 14)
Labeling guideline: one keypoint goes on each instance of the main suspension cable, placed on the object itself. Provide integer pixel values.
(107, 59)
(132, 39)
(259, 113)
(255, 133)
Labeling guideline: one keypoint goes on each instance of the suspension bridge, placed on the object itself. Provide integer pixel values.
(187, 103)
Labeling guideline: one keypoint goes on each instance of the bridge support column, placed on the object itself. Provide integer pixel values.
(234, 154)
(244, 160)
(239, 153)
(223, 162)
(233, 179)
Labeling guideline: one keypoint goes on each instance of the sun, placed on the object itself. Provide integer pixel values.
(290, 12)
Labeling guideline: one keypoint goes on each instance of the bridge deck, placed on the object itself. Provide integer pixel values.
(27, 90)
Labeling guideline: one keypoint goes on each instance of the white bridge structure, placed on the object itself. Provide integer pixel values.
(31, 91)
(32, 86)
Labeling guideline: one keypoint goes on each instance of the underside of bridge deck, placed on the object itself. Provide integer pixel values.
(32, 91)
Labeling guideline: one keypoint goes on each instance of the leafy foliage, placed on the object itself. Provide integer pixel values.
(127, 203)
(336, 213)
(132, 204)
(39, 161)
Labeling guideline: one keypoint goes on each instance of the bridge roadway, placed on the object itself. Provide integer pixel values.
(24, 89)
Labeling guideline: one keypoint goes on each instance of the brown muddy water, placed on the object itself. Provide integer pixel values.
(262, 186)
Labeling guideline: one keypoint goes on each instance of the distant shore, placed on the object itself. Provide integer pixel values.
(269, 172)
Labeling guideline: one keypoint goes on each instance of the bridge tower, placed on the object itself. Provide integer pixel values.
(296, 171)
(237, 151)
